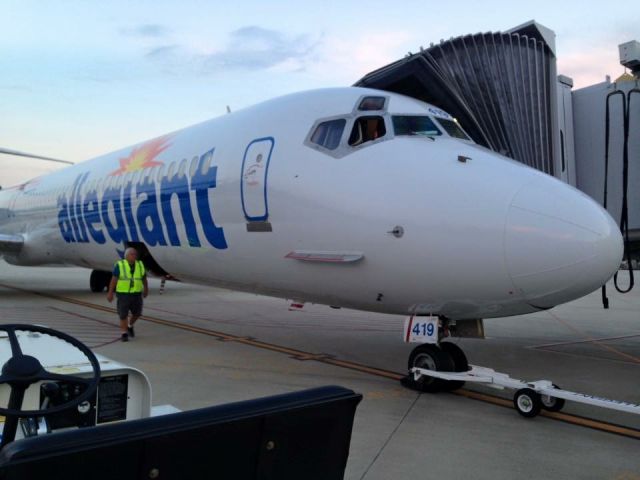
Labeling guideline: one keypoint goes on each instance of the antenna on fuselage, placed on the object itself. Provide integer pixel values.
(228, 109)
(16, 153)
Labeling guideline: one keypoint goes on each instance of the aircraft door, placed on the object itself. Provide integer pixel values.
(253, 184)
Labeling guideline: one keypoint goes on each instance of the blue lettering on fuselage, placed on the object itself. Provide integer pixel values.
(96, 216)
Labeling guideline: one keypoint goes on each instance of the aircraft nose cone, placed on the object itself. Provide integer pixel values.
(559, 243)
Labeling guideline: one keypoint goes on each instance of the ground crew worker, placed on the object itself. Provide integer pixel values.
(129, 281)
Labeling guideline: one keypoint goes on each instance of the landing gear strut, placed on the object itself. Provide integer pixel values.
(99, 280)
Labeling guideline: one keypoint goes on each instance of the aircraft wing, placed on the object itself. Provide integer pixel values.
(16, 153)
(10, 243)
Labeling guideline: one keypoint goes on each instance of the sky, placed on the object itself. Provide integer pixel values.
(82, 78)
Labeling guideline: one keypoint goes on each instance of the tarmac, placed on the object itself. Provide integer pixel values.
(203, 346)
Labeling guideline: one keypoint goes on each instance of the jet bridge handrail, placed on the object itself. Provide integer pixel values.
(624, 213)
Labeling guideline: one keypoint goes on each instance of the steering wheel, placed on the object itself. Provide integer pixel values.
(22, 371)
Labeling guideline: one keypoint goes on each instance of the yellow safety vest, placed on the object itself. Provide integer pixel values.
(127, 283)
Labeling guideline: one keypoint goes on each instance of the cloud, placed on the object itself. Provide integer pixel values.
(16, 88)
(248, 48)
(588, 58)
(591, 66)
(257, 48)
(162, 51)
(149, 30)
(325, 60)
(347, 59)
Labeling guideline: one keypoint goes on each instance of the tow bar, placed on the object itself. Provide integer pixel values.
(530, 397)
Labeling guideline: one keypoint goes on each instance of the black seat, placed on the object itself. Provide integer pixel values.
(300, 435)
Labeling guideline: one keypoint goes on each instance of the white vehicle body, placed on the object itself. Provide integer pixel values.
(405, 223)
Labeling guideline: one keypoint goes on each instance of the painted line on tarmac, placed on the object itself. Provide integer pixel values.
(330, 360)
(578, 342)
(594, 341)
(562, 417)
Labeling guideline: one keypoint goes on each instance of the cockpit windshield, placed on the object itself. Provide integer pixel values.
(415, 125)
(453, 129)
(328, 134)
(370, 123)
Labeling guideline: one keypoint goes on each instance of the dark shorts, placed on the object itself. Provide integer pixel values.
(129, 302)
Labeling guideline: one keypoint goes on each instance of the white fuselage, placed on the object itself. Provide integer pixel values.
(399, 224)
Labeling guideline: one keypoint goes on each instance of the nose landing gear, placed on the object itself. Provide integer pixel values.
(430, 357)
(439, 357)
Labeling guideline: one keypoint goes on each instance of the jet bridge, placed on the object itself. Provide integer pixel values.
(504, 89)
(501, 87)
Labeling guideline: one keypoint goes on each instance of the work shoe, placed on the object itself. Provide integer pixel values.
(131, 332)
(125, 337)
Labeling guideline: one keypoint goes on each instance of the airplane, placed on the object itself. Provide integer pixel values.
(347, 197)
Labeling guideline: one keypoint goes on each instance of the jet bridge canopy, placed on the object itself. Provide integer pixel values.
(500, 86)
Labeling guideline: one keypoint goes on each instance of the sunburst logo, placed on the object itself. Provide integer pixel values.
(143, 156)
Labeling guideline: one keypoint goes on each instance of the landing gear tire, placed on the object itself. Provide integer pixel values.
(552, 404)
(430, 357)
(460, 364)
(527, 402)
(99, 280)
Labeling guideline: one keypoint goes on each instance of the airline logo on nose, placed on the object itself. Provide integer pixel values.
(139, 208)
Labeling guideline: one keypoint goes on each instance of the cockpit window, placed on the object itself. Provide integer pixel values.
(328, 134)
(367, 129)
(415, 125)
(452, 128)
(372, 103)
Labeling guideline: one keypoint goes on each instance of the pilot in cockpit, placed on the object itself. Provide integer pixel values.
(367, 129)
(372, 129)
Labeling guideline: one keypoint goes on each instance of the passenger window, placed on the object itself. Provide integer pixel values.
(367, 129)
(329, 133)
(372, 103)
